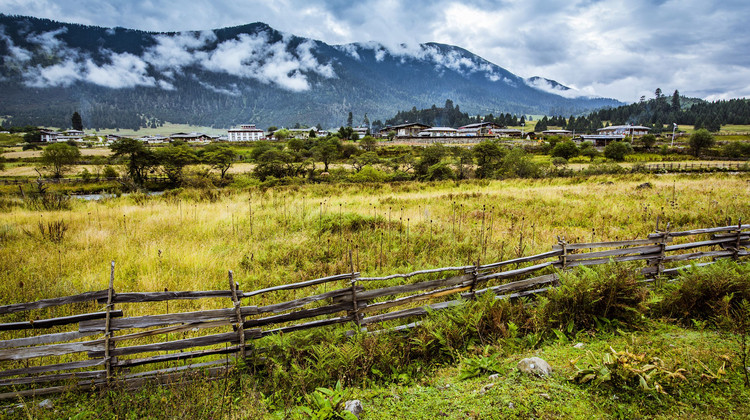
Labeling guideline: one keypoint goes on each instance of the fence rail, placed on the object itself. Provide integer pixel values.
(49, 362)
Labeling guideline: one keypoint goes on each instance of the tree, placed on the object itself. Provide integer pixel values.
(174, 159)
(648, 140)
(59, 158)
(565, 149)
(365, 159)
(368, 143)
(519, 164)
(350, 119)
(676, 101)
(431, 155)
(140, 158)
(273, 163)
(488, 154)
(464, 160)
(617, 150)
(326, 150)
(366, 121)
(587, 149)
(219, 156)
(658, 94)
(76, 121)
(295, 144)
(282, 134)
(700, 140)
(312, 134)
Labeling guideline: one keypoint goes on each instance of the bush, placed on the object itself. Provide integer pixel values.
(518, 164)
(590, 298)
(703, 293)
(110, 172)
(617, 150)
(565, 149)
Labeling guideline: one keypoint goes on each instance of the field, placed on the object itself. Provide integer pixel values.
(187, 239)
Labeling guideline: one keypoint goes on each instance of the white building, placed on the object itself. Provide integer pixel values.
(627, 130)
(439, 132)
(246, 132)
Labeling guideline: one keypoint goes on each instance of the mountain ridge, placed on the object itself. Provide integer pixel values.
(119, 77)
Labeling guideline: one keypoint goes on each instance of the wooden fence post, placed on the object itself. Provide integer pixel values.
(662, 249)
(736, 255)
(564, 255)
(238, 313)
(355, 306)
(107, 325)
(474, 277)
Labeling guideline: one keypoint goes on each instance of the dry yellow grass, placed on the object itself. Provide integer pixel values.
(190, 241)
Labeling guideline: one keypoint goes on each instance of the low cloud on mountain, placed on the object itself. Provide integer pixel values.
(250, 56)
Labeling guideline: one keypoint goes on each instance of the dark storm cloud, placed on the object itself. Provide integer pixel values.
(603, 47)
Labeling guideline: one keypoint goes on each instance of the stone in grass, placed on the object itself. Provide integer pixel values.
(46, 404)
(354, 407)
(579, 346)
(535, 366)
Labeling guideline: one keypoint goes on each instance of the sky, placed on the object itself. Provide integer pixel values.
(622, 49)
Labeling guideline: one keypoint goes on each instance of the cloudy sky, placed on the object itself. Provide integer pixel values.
(613, 48)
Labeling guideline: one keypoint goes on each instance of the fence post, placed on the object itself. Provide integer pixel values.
(238, 313)
(564, 256)
(662, 249)
(355, 306)
(107, 325)
(475, 275)
(736, 255)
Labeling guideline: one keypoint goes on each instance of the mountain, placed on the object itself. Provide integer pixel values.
(118, 77)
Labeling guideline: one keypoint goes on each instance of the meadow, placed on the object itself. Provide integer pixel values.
(188, 239)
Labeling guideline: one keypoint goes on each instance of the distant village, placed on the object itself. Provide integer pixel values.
(413, 132)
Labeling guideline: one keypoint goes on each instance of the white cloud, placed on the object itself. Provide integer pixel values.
(125, 71)
(18, 55)
(177, 51)
(61, 74)
(255, 57)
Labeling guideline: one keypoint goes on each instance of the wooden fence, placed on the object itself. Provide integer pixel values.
(128, 350)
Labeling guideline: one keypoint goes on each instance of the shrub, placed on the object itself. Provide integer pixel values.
(590, 298)
(518, 164)
(110, 172)
(703, 293)
(617, 150)
(565, 149)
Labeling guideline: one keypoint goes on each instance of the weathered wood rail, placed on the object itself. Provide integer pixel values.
(60, 354)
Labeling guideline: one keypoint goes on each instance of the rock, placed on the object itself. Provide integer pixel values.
(46, 404)
(354, 407)
(579, 346)
(545, 396)
(644, 185)
(494, 377)
(511, 406)
(535, 366)
(486, 388)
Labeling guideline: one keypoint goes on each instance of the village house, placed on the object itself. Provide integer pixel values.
(246, 132)
(564, 133)
(626, 130)
(191, 137)
(303, 133)
(50, 136)
(483, 129)
(439, 132)
(404, 130)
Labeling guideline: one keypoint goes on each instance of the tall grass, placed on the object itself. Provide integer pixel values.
(188, 239)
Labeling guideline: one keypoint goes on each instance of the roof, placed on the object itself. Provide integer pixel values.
(624, 127)
(440, 129)
(406, 125)
(483, 124)
(557, 132)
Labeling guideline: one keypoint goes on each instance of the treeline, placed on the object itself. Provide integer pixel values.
(661, 112)
(451, 116)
